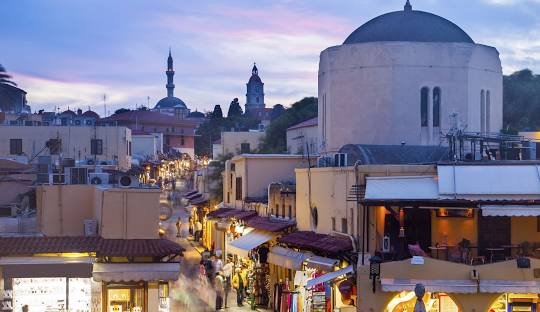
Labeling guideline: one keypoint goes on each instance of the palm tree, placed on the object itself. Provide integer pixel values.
(4, 77)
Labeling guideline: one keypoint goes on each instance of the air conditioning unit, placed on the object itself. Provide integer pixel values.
(76, 175)
(127, 181)
(325, 161)
(340, 160)
(98, 178)
(57, 178)
(90, 227)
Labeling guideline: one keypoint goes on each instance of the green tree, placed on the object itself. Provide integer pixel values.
(5, 78)
(215, 168)
(234, 109)
(275, 140)
(277, 110)
(217, 113)
(521, 101)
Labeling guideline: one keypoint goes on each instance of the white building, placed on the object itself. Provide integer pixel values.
(147, 146)
(400, 77)
(302, 138)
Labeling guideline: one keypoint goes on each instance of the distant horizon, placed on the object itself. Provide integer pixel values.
(66, 53)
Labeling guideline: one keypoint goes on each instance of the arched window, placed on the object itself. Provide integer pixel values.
(482, 111)
(437, 107)
(424, 93)
(257, 99)
(488, 109)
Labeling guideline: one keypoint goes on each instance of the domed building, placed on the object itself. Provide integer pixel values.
(407, 77)
(171, 105)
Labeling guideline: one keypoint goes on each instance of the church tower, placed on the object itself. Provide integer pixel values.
(170, 76)
(255, 91)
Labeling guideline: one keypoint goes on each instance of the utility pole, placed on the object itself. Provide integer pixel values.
(105, 104)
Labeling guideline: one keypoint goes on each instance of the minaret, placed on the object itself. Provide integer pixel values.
(170, 75)
(408, 6)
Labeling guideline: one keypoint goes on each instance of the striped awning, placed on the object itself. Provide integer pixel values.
(504, 286)
(134, 272)
(247, 242)
(510, 210)
(287, 258)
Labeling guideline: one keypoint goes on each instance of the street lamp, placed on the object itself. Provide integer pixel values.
(375, 270)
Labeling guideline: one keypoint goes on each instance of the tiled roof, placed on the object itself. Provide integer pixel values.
(149, 117)
(10, 246)
(317, 242)
(269, 224)
(306, 123)
(231, 213)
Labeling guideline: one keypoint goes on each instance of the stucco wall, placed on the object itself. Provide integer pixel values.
(330, 189)
(257, 172)
(379, 84)
(75, 140)
(147, 145)
(297, 139)
(121, 213)
(231, 141)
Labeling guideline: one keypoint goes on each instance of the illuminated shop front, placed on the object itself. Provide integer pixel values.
(510, 302)
(434, 302)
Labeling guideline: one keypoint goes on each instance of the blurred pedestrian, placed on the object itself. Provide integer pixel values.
(239, 283)
(227, 273)
(198, 230)
(219, 287)
(178, 226)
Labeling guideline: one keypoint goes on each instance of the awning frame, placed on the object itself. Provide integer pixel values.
(128, 272)
(446, 286)
(329, 277)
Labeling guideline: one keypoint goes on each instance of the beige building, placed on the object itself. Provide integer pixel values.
(98, 249)
(332, 195)
(302, 138)
(246, 177)
(121, 213)
(237, 143)
(98, 144)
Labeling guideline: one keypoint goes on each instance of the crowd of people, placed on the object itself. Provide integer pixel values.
(223, 278)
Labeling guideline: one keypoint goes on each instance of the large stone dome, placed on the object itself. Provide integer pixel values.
(408, 25)
(171, 102)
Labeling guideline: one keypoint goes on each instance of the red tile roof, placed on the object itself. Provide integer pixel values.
(269, 224)
(231, 213)
(306, 123)
(11, 246)
(317, 242)
(149, 117)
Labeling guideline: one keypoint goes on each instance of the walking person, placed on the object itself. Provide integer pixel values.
(239, 282)
(219, 288)
(227, 274)
(198, 231)
(178, 227)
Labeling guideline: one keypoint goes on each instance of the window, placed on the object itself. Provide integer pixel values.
(15, 146)
(437, 107)
(333, 224)
(172, 129)
(290, 211)
(424, 93)
(28, 122)
(88, 122)
(239, 188)
(182, 140)
(77, 122)
(244, 148)
(344, 225)
(96, 147)
(277, 210)
(230, 184)
(129, 148)
(257, 99)
(482, 111)
(283, 211)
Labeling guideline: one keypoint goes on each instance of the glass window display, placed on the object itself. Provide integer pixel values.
(125, 298)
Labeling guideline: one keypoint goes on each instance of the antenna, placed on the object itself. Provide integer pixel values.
(148, 101)
(105, 104)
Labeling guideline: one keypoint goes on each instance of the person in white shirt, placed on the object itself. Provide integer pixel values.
(227, 273)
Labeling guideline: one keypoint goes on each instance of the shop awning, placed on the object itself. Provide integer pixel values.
(326, 264)
(127, 272)
(414, 187)
(287, 258)
(329, 277)
(448, 286)
(243, 245)
(510, 210)
(505, 286)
